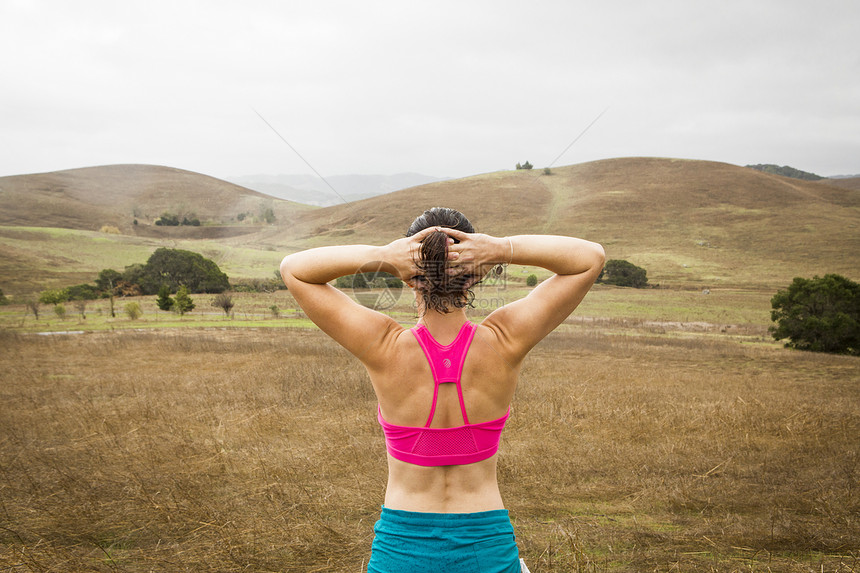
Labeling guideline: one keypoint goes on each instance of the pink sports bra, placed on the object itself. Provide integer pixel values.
(426, 446)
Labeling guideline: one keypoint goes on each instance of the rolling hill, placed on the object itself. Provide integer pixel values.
(685, 221)
(117, 195)
(689, 223)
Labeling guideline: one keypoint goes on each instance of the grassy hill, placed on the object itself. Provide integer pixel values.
(689, 223)
(845, 182)
(686, 222)
(116, 195)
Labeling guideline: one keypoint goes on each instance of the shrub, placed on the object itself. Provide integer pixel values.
(819, 314)
(257, 285)
(374, 279)
(531, 280)
(60, 311)
(223, 301)
(3, 299)
(110, 229)
(133, 310)
(623, 273)
(83, 292)
(276, 312)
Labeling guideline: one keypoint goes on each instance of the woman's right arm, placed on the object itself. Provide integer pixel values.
(523, 323)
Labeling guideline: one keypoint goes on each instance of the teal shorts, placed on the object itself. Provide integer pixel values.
(418, 542)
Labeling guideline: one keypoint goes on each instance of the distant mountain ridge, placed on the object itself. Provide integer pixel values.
(333, 190)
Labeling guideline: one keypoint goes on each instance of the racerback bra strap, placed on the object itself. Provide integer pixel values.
(446, 361)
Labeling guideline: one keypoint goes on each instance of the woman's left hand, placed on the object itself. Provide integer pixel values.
(403, 254)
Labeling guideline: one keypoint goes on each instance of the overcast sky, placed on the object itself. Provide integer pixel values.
(447, 89)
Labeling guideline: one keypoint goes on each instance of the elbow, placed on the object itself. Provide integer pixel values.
(597, 257)
(285, 270)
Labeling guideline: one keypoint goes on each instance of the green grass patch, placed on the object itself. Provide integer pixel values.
(39, 258)
(719, 306)
(605, 307)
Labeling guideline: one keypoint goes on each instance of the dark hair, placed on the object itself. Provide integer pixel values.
(439, 290)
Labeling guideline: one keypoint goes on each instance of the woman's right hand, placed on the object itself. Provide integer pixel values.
(477, 253)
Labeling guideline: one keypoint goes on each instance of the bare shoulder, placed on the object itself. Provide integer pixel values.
(494, 334)
(386, 342)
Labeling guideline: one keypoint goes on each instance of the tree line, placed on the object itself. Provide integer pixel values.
(165, 268)
(818, 314)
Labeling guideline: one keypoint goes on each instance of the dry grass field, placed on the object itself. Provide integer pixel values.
(243, 449)
(656, 430)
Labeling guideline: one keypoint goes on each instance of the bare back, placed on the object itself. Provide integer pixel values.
(405, 392)
(399, 370)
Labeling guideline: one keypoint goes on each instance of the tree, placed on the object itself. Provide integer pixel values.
(175, 267)
(132, 275)
(33, 305)
(53, 296)
(107, 280)
(786, 171)
(106, 283)
(531, 280)
(818, 314)
(168, 220)
(623, 273)
(183, 302)
(60, 311)
(81, 307)
(193, 222)
(164, 301)
(223, 301)
(268, 215)
(525, 165)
